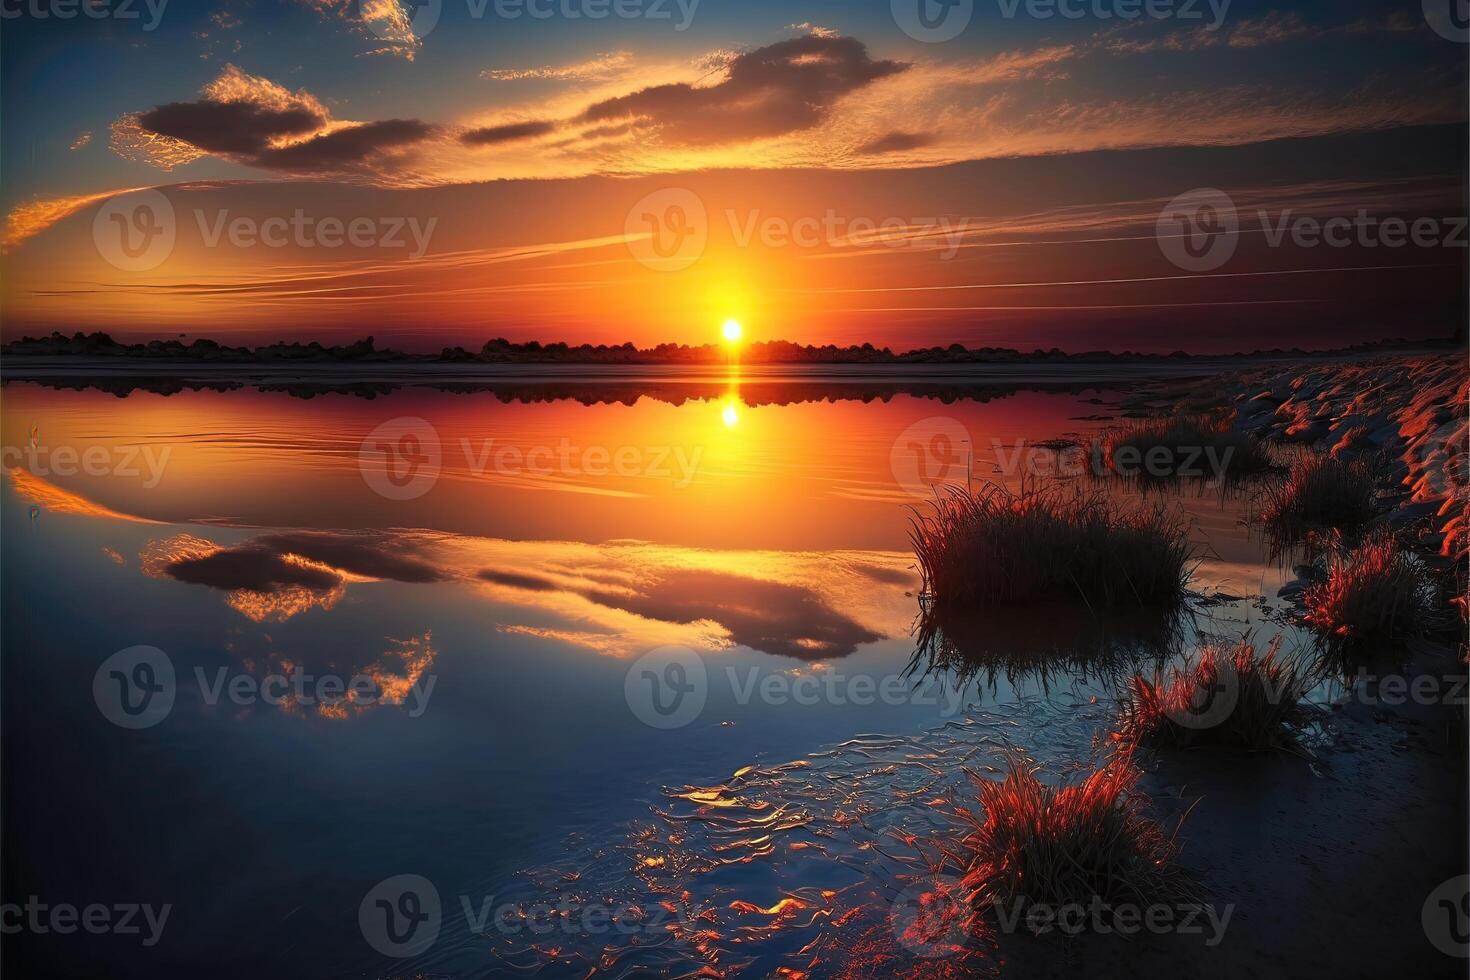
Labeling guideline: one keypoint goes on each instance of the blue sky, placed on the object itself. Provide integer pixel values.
(361, 95)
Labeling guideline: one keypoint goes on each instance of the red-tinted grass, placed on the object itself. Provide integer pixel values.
(1229, 698)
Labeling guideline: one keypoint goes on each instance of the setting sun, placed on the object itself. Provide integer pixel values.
(732, 331)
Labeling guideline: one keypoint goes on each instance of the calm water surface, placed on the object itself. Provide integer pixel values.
(502, 610)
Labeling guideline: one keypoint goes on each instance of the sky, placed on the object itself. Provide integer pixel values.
(1028, 173)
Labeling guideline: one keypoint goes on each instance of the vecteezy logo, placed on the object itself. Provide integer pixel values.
(932, 21)
(134, 688)
(1198, 230)
(667, 230)
(401, 458)
(1446, 917)
(667, 687)
(400, 916)
(1449, 18)
(135, 232)
(932, 919)
(1209, 704)
(930, 452)
(401, 20)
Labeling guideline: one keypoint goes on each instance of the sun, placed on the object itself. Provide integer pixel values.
(732, 331)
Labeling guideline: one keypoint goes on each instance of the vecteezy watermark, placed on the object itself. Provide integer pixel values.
(1363, 230)
(97, 919)
(390, 20)
(834, 230)
(937, 451)
(670, 686)
(403, 916)
(1450, 19)
(137, 687)
(402, 459)
(929, 453)
(135, 232)
(1199, 230)
(1395, 690)
(1446, 917)
(934, 21)
(138, 231)
(125, 462)
(667, 687)
(302, 230)
(1123, 918)
(149, 11)
(667, 231)
(681, 12)
(933, 919)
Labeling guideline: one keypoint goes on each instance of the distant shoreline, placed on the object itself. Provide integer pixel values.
(97, 352)
(756, 384)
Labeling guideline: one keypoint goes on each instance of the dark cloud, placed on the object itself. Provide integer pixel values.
(490, 135)
(229, 127)
(787, 620)
(888, 576)
(781, 88)
(370, 555)
(896, 141)
(351, 148)
(533, 583)
(261, 564)
(251, 569)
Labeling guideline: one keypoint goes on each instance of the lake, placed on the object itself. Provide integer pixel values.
(523, 679)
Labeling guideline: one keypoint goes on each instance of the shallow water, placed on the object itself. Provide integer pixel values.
(501, 595)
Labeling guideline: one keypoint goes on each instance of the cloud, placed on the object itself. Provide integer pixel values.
(369, 555)
(253, 121)
(807, 27)
(781, 88)
(387, 23)
(897, 141)
(249, 569)
(603, 65)
(1274, 27)
(366, 146)
(774, 617)
(518, 580)
(507, 133)
(228, 128)
(276, 576)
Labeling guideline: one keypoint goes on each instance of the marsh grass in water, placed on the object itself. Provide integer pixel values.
(992, 547)
(1230, 697)
(1058, 845)
(1320, 495)
(1373, 600)
(1204, 446)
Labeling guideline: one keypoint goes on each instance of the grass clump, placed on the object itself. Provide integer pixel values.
(1205, 446)
(1320, 494)
(1377, 596)
(992, 547)
(1229, 698)
(1039, 844)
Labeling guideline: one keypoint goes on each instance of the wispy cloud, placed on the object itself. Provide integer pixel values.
(601, 66)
